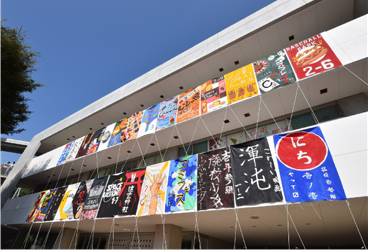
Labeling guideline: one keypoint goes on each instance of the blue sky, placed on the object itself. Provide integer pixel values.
(90, 48)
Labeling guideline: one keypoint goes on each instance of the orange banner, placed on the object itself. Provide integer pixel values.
(188, 105)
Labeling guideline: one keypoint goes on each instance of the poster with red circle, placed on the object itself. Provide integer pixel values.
(307, 170)
(312, 56)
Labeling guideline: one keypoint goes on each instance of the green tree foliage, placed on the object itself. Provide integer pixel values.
(17, 66)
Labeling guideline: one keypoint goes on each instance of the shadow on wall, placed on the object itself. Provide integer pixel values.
(38, 167)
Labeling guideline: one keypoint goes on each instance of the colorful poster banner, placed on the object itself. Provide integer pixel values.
(65, 153)
(241, 84)
(90, 208)
(109, 203)
(36, 207)
(167, 114)
(95, 141)
(117, 135)
(46, 204)
(255, 178)
(50, 215)
(213, 95)
(131, 132)
(74, 151)
(215, 180)
(312, 56)
(149, 120)
(235, 138)
(182, 184)
(79, 199)
(66, 202)
(106, 136)
(307, 170)
(188, 104)
(84, 146)
(129, 194)
(152, 198)
(273, 71)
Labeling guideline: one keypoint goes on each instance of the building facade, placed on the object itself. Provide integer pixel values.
(274, 84)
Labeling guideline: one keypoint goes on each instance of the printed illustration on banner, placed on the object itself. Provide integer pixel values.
(307, 170)
(273, 71)
(116, 134)
(167, 114)
(131, 132)
(90, 208)
(188, 104)
(241, 84)
(182, 184)
(149, 120)
(66, 202)
(213, 95)
(312, 56)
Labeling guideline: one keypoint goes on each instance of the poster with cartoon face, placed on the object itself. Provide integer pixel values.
(213, 95)
(241, 84)
(188, 105)
(149, 120)
(167, 113)
(312, 56)
(274, 71)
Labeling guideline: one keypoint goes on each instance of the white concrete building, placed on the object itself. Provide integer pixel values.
(338, 97)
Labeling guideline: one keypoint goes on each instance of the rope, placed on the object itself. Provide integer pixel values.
(136, 227)
(17, 236)
(236, 227)
(259, 111)
(208, 130)
(158, 145)
(240, 123)
(223, 123)
(80, 169)
(196, 230)
(74, 234)
(59, 175)
(122, 168)
(356, 225)
(112, 225)
(61, 234)
(26, 239)
(316, 211)
(295, 230)
(292, 111)
(270, 113)
(47, 236)
(164, 244)
(142, 155)
(241, 231)
(181, 141)
(287, 224)
(355, 75)
(92, 235)
(117, 160)
(313, 115)
(68, 173)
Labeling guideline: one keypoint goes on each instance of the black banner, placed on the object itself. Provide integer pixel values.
(55, 204)
(94, 197)
(255, 179)
(215, 180)
(79, 200)
(110, 197)
(129, 194)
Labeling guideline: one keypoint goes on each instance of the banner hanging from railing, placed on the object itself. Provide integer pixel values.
(36, 207)
(66, 202)
(79, 200)
(307, 170)
(188, 104)
(149, 120)
(167, 113)
(116, 134)
(213, 95)
(51, 213)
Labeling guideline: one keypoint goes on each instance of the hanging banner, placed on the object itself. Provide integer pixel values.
(129, 194)
(117, 135)
(149, 120)
(36, 207)
(79, 200)
(241, 84)
(131, 132)
(215, 180)
(66, 202)
(95, 141)
(65, 153)
(312, 56)
(84, 146)
(46, 204)
(90, 208)
(216, 143)
(182, 184)
(235, 138)
(152, 198)
(213, 95)
(252, 134)
(106, 136)
(307, 170)
(50, 215)
(255, 178)
(110, 197)
(167, 114)
(273, 71)
(188, 104)
(74, 151)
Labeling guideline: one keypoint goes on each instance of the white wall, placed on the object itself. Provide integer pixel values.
(16, 210)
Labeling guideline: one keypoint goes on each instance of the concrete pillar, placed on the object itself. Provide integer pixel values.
(173, 236)
(65, 239)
